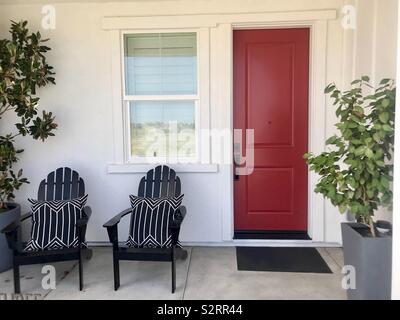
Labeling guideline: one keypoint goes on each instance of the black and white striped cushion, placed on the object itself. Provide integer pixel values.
(150, 221)
(54, 224)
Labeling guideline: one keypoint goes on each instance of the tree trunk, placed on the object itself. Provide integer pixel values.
(372, 226)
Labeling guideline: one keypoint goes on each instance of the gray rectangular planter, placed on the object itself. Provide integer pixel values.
(372, 260)
(7, 217)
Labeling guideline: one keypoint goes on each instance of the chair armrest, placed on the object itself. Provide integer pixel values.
(112, 227)
(25, 216)
(178, 217)
(12, 232)
(16, 224)
(87, 211)
(114, 221)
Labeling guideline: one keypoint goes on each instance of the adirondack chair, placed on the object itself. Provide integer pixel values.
(62, 184)
(158, 183)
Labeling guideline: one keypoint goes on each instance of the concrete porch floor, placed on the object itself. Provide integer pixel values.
(207, 273)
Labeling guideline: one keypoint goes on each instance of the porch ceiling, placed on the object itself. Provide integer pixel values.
(68, 1)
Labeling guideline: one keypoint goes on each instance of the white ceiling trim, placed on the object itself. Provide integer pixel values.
(212, 20)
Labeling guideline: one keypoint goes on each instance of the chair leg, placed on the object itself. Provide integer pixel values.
(173, 269)
(17, 281)
(116, 271)
(80, 271)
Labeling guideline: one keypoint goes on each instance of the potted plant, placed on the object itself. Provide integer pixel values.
(356, 176)
(23, 69)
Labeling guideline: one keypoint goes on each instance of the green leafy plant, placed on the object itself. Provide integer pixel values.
(356, 172)
(23, 69)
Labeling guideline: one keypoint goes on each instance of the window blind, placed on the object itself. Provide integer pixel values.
(160, 64)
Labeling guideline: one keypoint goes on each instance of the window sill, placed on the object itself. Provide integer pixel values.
(179, 168)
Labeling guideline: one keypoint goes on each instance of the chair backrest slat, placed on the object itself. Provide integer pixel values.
(58, 192)
(62, 184)
(164, 182)
(178, 186)
(81, 188)
(157, 182)
(142, 185)
(149, 183)
(67, 183)
(42, 190)
(160, 182)
(74, 185)
(171, 184)
(50, 186)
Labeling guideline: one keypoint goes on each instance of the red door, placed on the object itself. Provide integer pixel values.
(271, 76)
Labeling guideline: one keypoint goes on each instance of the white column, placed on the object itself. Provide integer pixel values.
(396, 187)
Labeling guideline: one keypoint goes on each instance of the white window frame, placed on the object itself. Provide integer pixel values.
(121, 117)
(131, 98)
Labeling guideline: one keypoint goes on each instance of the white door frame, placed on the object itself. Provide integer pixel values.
(317, 99)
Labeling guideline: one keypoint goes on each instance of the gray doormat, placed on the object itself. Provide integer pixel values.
(278, 259)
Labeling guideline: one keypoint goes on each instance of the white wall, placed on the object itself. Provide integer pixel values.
(376, 38)
(81, 101)
(375, 47)
(396, 189)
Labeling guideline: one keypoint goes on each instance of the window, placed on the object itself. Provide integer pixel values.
(161, 96)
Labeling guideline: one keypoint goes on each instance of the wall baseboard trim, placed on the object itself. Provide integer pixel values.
(245, 243)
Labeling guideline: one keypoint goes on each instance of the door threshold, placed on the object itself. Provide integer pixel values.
(271, 235)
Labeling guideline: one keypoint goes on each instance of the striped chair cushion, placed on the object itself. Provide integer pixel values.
(150, 221)
(54, 224)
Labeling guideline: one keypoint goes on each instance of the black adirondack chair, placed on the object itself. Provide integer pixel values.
(62, 184)
(159, 182)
